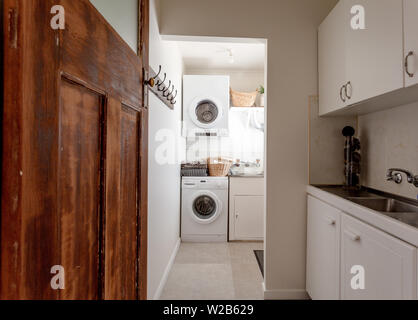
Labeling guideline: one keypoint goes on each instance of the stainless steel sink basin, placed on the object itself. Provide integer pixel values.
(395, 209)
(385, 205)
(410, 218)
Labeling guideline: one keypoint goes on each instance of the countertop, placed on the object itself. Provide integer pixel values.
(247, 176)
(394, 227)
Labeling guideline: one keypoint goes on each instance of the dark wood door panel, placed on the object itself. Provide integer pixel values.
(112, 199)
(29, 246)
(79, 189)
(122, 199)
(94, 52)
(129, 200)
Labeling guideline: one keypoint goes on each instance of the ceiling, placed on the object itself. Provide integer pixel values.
(217, 55)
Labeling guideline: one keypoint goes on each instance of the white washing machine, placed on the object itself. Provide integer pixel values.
(204, 214)
(206, 104)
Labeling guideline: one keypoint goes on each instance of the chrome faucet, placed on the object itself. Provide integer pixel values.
(395, 175)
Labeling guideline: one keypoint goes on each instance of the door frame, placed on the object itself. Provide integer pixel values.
(143, 52)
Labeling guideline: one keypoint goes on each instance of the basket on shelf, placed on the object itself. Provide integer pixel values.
(243, 99)
(219, 167)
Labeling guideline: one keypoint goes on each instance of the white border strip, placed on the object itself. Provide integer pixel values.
(164, 278)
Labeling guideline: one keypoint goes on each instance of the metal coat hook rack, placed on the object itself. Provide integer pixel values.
(162, 90)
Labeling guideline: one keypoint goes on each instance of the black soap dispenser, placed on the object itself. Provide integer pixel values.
(352, 160)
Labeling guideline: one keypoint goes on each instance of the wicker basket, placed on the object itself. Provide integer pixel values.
(219, 167)
(243, 99)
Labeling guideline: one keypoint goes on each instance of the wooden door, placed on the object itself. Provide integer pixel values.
(411, 41)
(323, 251)
(389, 263)
(74, 171)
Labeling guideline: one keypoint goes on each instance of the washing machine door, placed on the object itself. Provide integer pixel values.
(205, 112)
(206, 207)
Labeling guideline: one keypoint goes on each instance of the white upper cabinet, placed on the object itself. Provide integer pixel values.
(331, 60)
(374, 56)
(362, 65)
(411, 42)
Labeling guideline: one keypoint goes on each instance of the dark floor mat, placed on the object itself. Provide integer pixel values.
(259, 255)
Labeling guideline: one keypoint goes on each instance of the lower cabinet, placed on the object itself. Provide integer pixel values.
(389, 264)
(351, 260)
(249, 217)
(246, 209)
(323, 251)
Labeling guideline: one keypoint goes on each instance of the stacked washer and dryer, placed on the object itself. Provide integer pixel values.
(204, 211)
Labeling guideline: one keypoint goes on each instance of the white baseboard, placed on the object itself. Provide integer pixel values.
(167, 270)
(285, 294)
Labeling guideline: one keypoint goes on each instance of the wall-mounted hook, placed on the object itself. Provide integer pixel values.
(162, 82)
(157, 85)
(166, 88)
(151, 81)
(169, 93)
(173, 97)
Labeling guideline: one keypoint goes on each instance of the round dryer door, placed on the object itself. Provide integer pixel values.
(206, 207)
(205, 113)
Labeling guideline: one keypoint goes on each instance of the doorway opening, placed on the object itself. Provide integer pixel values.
(210, 264)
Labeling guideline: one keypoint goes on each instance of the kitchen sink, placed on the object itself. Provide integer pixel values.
(345, 193)
(395, 209)
(384, 204)
(392, 206)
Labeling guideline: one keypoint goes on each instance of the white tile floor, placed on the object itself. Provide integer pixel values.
(215, 271)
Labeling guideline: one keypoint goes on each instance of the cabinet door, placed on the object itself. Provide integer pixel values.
(374, 55)
(389, 264)
(331, 63)
(411, 41)
(249, 217)
(323, 251)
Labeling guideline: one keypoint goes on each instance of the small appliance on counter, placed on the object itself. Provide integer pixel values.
(352, 159)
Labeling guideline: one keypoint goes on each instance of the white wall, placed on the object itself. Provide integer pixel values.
(164, 179)
(291, 29)
(123, 16)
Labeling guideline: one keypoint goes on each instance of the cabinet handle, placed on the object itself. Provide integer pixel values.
(341, 94)
(410, 54)
(352, 236)
(331, 222)
(346, 90)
